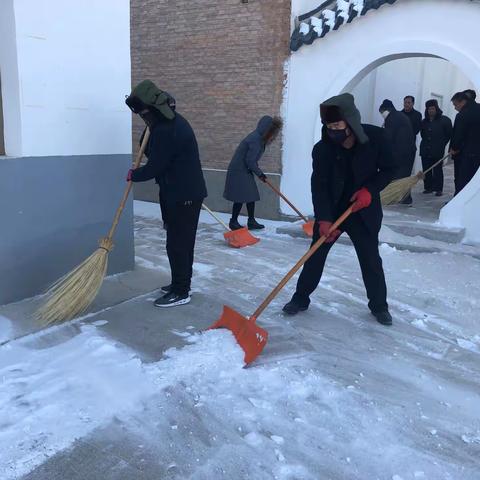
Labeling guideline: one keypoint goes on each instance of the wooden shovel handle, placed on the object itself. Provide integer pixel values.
(221, 222)
(299, 264)
(129, 185)
(281, 195)
(435, 164)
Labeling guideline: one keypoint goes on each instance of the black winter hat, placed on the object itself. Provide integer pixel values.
(342, 107)
(432, 103)
(386, 105)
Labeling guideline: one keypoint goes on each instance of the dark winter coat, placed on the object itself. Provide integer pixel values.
(372, 167)
(466, 133)
(400, 134)
(240, 186)
(174, 162)
(415, 118)
(435, 136)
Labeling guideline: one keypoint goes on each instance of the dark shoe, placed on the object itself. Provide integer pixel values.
(439, 194)
(383, 317)
(234, 225)
(292, 308)
(167, 288)
(427, 191)
(407, 201)
(254, 225)
(172, 300)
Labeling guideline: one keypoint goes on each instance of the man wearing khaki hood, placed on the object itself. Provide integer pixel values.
(352, 164)
(174, 163)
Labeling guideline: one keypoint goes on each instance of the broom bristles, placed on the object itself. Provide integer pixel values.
(72, 294)
(396, 191)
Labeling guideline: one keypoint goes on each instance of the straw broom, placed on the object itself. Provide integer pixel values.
(397, 190)
(73, 293)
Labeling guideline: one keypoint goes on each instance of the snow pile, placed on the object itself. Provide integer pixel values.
(5, 329)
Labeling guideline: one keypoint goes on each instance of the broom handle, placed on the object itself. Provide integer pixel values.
(298, 265)
(227, 228)
(120, 208)
(435, 164)
(281, 195)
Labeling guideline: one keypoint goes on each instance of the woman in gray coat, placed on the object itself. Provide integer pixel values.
(240, 186)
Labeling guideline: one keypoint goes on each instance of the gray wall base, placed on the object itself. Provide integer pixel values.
(53, 211)
(267, 207)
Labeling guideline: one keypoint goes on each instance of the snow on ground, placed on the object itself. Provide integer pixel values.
(333, 396)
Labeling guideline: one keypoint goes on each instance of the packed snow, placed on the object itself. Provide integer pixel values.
(333, 396)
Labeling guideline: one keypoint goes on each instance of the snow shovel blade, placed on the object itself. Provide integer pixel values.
(240, 238)
(308, 228)
(248, 334)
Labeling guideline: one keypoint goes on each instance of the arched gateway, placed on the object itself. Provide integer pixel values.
(333, 55)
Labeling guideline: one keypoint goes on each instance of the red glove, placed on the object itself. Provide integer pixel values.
(129, 175)
(361, 199)
(324, 227)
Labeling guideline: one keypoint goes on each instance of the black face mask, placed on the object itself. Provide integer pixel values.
(150, 118)
(337, 136)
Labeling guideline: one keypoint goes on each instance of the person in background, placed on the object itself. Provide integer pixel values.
(436, 131)
(413, 115)
(240, 186)
(471, 94)
(400, 134)
(352, 164)
(465, 142)
(174, 163)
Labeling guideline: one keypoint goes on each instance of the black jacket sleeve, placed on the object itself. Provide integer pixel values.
(321, 194)
(459, 132)
(447, 129)
(160, 154)
(417, 123)
(386, 166)
(251, 159)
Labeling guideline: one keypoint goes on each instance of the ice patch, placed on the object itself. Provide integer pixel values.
(467, 345)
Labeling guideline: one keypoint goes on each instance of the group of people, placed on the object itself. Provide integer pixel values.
(436, 132)
(352, 163)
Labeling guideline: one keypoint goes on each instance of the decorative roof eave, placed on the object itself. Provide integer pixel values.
(329, 16)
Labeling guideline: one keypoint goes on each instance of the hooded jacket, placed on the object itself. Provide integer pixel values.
(240, 186)
(372, 166)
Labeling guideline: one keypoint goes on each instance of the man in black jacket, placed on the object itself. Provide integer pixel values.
(400, 134)
(413, 115)
(174, 163)
(436, 133)
(352, 163)
(465, 144)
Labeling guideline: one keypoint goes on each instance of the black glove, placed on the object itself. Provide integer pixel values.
(263, 177)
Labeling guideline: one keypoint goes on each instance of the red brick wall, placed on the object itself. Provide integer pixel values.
(222, 60)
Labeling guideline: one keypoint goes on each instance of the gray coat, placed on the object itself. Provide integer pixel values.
(240, 186)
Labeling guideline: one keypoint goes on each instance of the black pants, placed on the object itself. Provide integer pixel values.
(181, 225)
(237, 207)
(366, 246)
(457, 164)
(433, 181)
(468, 168)
(405, 170)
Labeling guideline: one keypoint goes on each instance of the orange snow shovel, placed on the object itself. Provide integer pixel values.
(308, 225)
(248, 334)
(235, 238)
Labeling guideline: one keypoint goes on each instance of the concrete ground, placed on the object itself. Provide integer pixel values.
(423, 372)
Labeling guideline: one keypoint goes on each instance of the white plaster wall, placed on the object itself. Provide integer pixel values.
(73, 72)
(10, 85)
(339, 61)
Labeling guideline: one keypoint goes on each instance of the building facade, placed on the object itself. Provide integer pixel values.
(66, 136)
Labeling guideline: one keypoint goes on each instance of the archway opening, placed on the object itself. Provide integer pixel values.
(424, 77)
